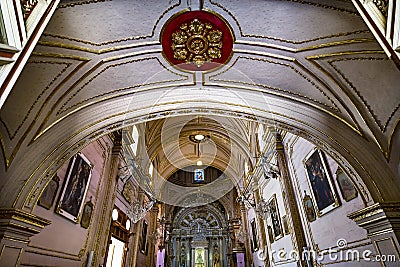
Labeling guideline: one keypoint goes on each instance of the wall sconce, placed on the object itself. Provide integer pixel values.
(128, 224)
(114, 215)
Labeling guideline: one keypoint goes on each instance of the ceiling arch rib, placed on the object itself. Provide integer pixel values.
(98, 110)
(171, 144)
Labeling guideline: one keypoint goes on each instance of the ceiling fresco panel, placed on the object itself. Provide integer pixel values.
(281, 20)
(371, 79)
(122, 77)
(41, 75)
(103, 22)
(275, 76)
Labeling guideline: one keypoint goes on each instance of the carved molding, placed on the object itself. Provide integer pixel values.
(20, 225)
(378, 219)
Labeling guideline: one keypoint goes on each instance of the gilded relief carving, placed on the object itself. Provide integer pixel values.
(27, 7)
(382, 5)
(197, 42)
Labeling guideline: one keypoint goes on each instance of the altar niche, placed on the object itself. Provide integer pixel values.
(200, 257)
(200, 237)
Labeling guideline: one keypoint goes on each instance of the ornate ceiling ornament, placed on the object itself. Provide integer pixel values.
(197, 41)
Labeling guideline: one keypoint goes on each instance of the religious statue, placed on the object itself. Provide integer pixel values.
(216, 259)
(182, 258)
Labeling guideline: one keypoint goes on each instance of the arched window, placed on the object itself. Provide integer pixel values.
(260, 137)
(246, 167)
(135, 137)
(151, 168)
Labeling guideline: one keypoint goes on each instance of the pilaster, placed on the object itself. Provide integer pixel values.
(382, 222)
(16, 229)
(260, 223)
(289, 199)
(107, 201)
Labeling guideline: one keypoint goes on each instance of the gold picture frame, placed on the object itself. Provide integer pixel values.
(87, 214)
(46, 200)
(319, 179)
(346, 186)
(275, 218)
(76, 185)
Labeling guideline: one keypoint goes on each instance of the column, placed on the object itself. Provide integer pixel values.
(260, 224)
(192, 256)
(221, 255)
(289, 198)
(207, 256)
(134, 247)
(152, 228)
(248, 255)
(16, 229)
(106, 203)
(382, 222)
(178, 251)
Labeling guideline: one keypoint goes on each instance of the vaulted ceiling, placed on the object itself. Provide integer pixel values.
(310, 67)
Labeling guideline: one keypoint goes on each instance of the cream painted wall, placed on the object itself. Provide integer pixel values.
(64, 242)
(326, 231)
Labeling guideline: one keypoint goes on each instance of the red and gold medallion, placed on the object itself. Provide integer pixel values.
(197, 41)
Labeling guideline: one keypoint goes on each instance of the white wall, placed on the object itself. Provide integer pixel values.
(328, 229)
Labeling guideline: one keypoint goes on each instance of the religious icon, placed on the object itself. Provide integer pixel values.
(199, 175)
(309, 208)
(182, 256)
(49, 193)
(199, 257)
(76, 184)
(254, 241)
(87, 214)
(346, 186)
(285, 224)
(320, 182)
(275, 218)
(216, 259)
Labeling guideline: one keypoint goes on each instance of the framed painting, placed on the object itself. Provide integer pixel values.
(270, 234)
(199, 175)
(49, 193)
(285, 225)
(254, 241)
(87, 214)
(320, 182)
(275, 218)
(346, 186)
(309, 208)
(76, 184)
(143, 238)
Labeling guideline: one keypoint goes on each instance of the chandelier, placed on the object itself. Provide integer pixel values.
(137, 210)
(261, 207)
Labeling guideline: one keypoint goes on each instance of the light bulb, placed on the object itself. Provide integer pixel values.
(114, 214)
(199, 137)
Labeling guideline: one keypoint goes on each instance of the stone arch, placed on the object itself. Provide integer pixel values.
(214, 215)
(42, 155)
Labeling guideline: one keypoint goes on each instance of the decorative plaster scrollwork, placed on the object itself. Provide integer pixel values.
(27, 7)
(382, 5)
